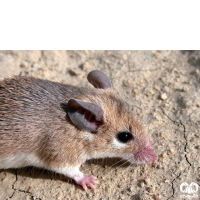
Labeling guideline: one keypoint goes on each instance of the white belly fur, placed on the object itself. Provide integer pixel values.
(21, 160)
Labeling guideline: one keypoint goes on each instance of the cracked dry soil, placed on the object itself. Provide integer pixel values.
(162, 87)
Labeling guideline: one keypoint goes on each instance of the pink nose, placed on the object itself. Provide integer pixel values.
(146, 154)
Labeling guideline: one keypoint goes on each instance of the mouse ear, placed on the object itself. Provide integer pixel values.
(99, 79)
(86, 116)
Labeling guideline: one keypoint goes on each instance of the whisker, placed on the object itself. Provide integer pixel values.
(130, 165)
(118, 166)
(117, 162)
(131, 160)
(135, 174)
(111, 167)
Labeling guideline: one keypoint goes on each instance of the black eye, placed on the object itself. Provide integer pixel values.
(124, 137)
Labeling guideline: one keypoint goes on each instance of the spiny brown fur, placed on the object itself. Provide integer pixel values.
(32, 121)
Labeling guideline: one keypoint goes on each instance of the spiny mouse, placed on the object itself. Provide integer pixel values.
(58, 126)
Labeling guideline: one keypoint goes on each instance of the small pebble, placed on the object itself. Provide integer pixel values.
(159, 135)
(165, 105)
(127, 83)
(125, 57)
(124, 192)
(147, 181)
(86, 67)
(75, 72)
(137, 197)
(24, 65)
(152, 189)
(185, 89)
(171, 85)
(197, 71)
(154, 165)
(166, 89)
(159, 166)
(163, 96)
(142, 184)
(157, 197)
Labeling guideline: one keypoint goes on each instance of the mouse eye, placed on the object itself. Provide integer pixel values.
(124, 137)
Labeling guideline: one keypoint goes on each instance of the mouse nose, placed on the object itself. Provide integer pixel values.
(146, 154)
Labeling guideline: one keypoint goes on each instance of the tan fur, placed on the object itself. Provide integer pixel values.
(117, 118)
(32, 122)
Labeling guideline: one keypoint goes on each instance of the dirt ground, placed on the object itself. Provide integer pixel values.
(162, 87)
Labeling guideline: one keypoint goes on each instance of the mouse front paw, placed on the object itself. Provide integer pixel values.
(88, 181)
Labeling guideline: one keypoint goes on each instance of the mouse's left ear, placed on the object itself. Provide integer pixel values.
(86, 116)
(99, 79)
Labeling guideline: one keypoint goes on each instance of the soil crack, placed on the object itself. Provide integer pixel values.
(184, 135)
(19, 190)
(172, 182)
(13, 185)
(186, 143)
(185, 150)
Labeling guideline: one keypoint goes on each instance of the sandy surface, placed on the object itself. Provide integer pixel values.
(163, 88)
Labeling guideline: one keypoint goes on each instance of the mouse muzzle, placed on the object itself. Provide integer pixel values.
(146, 154)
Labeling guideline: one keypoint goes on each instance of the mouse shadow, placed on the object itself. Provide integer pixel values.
(39, 173)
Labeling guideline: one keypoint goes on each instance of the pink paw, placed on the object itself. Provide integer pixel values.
(88, 181)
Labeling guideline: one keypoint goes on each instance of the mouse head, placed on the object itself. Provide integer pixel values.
(112, 129)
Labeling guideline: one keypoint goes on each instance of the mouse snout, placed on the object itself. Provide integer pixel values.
(146, 154)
